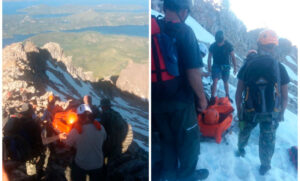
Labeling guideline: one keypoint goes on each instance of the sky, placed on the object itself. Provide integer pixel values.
(280, 15)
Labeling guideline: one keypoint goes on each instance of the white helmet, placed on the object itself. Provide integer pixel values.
(83, 108)
(203, 48)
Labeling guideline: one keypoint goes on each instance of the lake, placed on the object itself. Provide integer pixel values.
(129, 30)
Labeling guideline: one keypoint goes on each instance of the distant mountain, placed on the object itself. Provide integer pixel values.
(135, 79)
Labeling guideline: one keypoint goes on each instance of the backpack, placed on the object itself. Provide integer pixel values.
(164, 62)
(262, 82)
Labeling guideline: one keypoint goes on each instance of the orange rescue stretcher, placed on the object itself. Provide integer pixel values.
(225, 110)
(64, 121)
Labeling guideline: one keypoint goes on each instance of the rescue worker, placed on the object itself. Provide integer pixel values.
(174, 116)
(87, 137)
(221, 51)
(116, 128)
(264, 83)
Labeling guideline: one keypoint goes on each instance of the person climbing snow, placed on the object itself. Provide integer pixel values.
(176, 78)
(221, 51)
(261, 98)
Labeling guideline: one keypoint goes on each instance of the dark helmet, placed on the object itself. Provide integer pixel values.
(176, 5)
(219, 36)
(105, 102)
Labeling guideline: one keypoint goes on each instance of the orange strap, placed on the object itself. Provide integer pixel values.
(97, 125)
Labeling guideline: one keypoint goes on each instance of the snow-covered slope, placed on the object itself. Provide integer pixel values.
(220, 158)
(136, 117)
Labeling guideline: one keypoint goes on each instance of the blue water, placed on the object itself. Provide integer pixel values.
(129, 30)
(9, 8)
(16, 38)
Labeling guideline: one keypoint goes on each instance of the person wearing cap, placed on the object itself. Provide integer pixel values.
(116, 127)
(87, 137)
(221, 51)
(250, 114)
(174, 117)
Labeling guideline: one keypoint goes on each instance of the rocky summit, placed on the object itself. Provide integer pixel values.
(32, 73)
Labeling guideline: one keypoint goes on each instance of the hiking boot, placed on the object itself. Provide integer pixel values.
(201, 174)
(241, 152)
(264, 169)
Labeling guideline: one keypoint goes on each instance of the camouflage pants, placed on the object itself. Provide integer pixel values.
(268, 125)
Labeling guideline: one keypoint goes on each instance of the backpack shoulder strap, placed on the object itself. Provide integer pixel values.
(277, 68)
(155, 29)
(157, 25)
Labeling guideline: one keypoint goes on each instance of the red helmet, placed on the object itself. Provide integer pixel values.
(211, 116)
(267, 36)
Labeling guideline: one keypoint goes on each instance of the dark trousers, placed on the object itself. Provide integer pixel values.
(79, 174)
(179, 141)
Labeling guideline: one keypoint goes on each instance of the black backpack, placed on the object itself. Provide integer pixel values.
(164, 62)
(262, 82)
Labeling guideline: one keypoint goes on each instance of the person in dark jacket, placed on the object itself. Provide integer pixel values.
(116, 128)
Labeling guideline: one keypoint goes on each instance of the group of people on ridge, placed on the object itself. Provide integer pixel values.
(94, 141)
(261, 95)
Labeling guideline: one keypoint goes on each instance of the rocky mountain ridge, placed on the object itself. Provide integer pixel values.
(32, 73)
